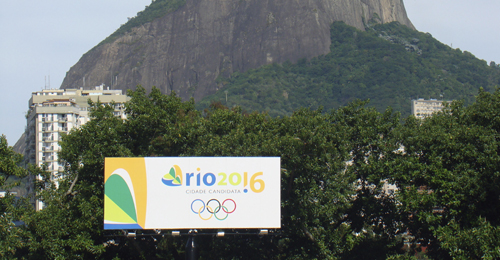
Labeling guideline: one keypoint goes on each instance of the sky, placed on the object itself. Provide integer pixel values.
(41, 40)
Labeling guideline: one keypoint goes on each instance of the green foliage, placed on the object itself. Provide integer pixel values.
(314, 192)
(334, 167)
(156, 9)
(159, 118)
(11, 208)
(480, 242)
(312, 149)
(9, 162)
(449, 172)
(388, 64)
(9, 237)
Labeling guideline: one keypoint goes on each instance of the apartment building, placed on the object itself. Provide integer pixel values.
(56, 111)
(422, 108)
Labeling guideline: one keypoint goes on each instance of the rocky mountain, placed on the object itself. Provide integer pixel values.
(189, 47)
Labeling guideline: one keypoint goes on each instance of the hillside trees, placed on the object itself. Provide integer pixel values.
(388, 63)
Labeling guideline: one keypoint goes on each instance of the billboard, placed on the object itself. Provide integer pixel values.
(192, 192)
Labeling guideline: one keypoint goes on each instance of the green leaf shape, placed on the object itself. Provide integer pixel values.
(118, 191)
(170, 175)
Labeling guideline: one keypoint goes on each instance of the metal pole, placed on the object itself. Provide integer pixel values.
(191, 246)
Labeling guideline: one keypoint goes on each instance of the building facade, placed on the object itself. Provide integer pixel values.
(422, 108)
(56, 111)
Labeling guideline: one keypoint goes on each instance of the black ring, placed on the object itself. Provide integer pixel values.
(218, 208)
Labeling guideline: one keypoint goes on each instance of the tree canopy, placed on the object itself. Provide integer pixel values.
(334, 163)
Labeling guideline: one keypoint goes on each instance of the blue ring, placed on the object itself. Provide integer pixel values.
(198, 211)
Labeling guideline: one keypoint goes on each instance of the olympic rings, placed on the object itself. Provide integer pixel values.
(213, 211)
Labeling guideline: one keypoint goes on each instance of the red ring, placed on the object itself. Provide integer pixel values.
(229, 212)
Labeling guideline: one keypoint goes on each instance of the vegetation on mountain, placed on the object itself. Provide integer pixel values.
(389, 64)
(334, 166)
(157, 9)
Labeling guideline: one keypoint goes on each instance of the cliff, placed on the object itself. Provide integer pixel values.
(20, 145)
(187, 49)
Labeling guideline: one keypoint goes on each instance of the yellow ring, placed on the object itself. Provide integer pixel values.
(199, 213)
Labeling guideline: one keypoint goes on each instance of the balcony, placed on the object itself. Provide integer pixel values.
(47, 158)
(48, 149)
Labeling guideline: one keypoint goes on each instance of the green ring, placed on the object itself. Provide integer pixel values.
(217, 209)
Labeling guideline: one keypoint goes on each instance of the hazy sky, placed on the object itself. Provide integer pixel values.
(39, 39)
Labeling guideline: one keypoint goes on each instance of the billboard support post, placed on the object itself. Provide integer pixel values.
(191, 246)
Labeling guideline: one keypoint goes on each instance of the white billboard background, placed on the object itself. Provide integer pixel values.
(185, 207)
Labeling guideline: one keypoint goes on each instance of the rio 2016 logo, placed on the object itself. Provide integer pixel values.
(213, 208)
(175, 178)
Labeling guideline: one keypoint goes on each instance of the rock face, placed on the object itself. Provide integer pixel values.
(20, 145)
(188, 49)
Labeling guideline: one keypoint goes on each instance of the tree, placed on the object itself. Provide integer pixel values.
(9, 162)
(449, 175)
(11, 237)
(70, 225)
(315, 189)
(372, 140)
